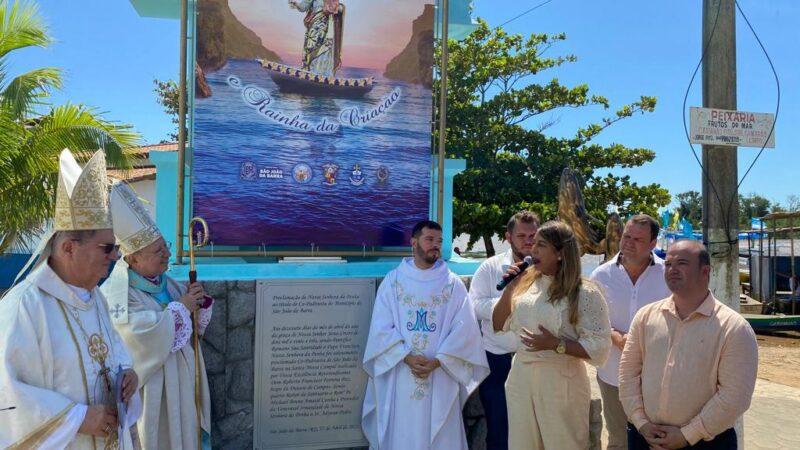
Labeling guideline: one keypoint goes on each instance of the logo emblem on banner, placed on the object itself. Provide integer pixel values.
(247, 171)
(356, 177)
(302, 173)
(382, 173)
(330, 170)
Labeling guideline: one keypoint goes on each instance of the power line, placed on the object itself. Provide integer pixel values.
(526, 12)
(726, 211)
(777, 85)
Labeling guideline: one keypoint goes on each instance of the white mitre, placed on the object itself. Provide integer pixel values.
(82, 194)
(134, 230)
(81, 203)
(133, 226)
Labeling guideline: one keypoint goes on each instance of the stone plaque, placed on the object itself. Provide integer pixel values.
(310, 340)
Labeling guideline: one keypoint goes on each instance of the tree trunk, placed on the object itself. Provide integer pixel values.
(487, 242)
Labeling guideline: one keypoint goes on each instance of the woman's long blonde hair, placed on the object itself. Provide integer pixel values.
(567, 280)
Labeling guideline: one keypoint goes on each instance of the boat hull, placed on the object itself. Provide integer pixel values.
(292, 80)
(764, 322)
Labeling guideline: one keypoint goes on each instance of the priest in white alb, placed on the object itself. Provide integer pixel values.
(151, 312)
(63, 369)
(424, 354)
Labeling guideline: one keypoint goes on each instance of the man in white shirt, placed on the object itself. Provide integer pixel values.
(630, 280)
(499, 346)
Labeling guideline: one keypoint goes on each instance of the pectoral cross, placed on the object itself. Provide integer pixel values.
(98, 349)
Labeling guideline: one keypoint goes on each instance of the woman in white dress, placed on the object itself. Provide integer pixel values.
(562, 321)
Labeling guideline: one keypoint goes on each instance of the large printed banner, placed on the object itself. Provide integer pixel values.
(312, 121)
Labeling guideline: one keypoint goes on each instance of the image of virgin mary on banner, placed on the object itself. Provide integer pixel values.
(312, 121)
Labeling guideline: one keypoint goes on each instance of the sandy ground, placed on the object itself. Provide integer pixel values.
(779, 358)
(773, 421)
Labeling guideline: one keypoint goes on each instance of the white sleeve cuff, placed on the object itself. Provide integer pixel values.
(65, 434)
(183, 325)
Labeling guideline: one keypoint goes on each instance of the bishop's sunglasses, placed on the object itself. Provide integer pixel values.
(108, 248)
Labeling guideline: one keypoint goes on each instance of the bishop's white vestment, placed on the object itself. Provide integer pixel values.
(53, 345)
(157, 329)
(421, 312)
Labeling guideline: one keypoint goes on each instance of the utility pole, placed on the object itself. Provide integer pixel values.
(720, 195)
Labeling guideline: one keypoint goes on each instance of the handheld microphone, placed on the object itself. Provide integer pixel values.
(505, 281)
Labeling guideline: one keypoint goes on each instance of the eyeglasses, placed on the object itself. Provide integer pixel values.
(108, 248)
(163, 249)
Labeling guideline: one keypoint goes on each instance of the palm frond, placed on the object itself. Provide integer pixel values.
(30, 141)
(29, 90)
(83, 131)
(11, 136)
(21, 26)
(27, 209)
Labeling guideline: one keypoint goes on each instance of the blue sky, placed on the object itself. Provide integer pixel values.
(625, 49)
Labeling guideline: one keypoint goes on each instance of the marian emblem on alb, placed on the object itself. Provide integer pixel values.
(420, 322)
(330, 170)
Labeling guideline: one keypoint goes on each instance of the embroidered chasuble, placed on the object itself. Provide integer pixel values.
(157, 329)
(54, 352)
(421, 312)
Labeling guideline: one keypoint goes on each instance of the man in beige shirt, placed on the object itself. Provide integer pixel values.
(689, 365)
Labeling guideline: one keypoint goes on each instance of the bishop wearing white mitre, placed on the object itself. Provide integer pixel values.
(152, 314)
(65, 376)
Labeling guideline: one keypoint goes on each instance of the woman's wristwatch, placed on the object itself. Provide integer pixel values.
(561, 348)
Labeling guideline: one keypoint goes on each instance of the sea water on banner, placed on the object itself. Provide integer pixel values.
(285, 169)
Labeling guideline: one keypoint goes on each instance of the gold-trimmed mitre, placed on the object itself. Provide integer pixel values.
(82, 194)
(134, 228)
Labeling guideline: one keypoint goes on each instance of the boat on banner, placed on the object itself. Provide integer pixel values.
(298, 81)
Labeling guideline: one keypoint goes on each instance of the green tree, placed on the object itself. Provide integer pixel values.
(752, 206)
(690, 207)
(168, 97)
(778, 208)
(792, 203)
(497, 90)
(33, 131)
